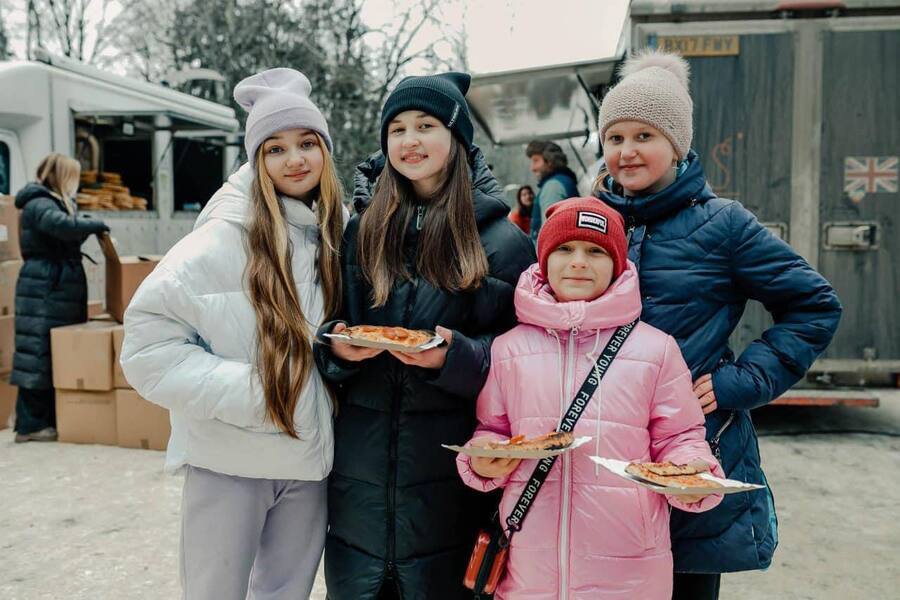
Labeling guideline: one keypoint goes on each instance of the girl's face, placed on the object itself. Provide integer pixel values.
(526, 197)
(294, 161)
(418, 148)
(579, 271)
(639, 157)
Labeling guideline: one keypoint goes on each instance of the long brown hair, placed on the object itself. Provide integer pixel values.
(450, 255)
(284, 354)
(59, 174)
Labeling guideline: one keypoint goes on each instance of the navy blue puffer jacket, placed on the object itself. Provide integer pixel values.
(700, 259)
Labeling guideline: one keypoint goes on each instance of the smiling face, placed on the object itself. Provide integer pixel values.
(418, 147)
(579, 271)
(294, 160)
(639, 157)
(539, 167)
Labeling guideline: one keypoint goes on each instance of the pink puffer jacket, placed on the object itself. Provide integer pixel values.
(590, 534)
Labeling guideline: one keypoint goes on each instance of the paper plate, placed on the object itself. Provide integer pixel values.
(729, 486)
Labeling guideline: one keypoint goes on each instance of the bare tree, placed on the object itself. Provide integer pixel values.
(62, 26)
(4, 39)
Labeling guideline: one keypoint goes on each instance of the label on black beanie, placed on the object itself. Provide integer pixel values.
(589, 220)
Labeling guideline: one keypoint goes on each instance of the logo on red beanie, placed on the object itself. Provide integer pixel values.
(589, 220)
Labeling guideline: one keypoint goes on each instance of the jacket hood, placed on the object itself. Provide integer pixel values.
(31, 191)
(231, 203)
(487, 191)
(536, 305)
(638, 210)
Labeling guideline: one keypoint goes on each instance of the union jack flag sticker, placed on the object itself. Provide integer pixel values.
(870, 174)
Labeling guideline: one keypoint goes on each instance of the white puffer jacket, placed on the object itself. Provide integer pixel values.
(190, 342)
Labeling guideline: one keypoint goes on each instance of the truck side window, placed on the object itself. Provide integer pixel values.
(4, 168)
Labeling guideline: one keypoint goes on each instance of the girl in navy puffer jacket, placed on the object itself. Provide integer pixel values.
(700, 259)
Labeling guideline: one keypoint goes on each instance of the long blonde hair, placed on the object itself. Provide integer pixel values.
(284, 353)
(450, 254)
(60, 174)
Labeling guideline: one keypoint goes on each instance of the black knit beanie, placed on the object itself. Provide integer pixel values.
(442, 96)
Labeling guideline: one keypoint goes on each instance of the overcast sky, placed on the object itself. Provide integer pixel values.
(502, 34)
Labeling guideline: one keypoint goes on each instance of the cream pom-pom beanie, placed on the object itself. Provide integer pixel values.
(653, 90)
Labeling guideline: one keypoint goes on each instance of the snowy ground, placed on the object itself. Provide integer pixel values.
(96, 522)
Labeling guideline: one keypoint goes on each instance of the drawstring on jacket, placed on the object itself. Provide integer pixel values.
(559, 367)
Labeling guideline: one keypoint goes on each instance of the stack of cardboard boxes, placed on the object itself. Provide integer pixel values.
(10, 263)
(94, 403)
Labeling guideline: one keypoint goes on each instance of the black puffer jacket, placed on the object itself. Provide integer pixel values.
(396, 502)
(51, 289)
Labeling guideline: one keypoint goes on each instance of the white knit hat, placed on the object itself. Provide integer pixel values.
(653, 90)
(278, 99)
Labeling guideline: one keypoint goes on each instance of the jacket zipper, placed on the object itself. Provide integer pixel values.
(566, 476)
(392, 480)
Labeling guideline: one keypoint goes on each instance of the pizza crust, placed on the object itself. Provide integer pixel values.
(388, 335)
(670, 475)
(555, 440)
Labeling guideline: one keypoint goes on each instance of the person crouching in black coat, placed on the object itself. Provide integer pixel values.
(430, 248)
(51, 290)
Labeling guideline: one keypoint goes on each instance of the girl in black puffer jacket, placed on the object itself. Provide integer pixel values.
(430, 248)
(51, 290)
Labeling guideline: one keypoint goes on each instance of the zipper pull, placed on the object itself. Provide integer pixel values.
(420, 215)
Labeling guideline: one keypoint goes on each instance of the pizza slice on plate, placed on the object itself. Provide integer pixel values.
(389, 335)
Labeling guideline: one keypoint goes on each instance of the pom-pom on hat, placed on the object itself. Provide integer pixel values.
(584, 220)
(653, 90)
(442, 96)
(277, 100)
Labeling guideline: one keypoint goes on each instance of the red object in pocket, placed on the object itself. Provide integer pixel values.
(477, 561)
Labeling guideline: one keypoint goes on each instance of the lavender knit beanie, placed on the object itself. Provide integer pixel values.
(653, 90)
(277, 99)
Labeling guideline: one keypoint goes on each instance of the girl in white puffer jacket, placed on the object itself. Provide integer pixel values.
(220, 334)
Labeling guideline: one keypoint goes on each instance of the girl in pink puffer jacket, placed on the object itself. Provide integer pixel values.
(589, 534)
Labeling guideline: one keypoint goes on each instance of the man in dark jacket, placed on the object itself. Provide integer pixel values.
(556, 181)
(399, 514)
(51, 291)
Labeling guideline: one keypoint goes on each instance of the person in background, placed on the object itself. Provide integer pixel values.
(51, 290)
(556, 181)
(521, 212)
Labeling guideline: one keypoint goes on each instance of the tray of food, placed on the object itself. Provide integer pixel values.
(388, 338)
(668, 478)
(550, 444)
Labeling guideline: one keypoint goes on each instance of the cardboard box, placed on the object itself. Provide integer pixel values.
(119, 380)
(9, 273)
(9, 229)
(95, 308)
(7, 343)
(86, 417)
(123, 276)
(139, 423)
(7, 402)
(83, 356)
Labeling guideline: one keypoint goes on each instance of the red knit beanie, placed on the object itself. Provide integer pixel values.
(583, 220)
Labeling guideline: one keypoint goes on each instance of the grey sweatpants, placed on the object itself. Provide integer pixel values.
(237, 533)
